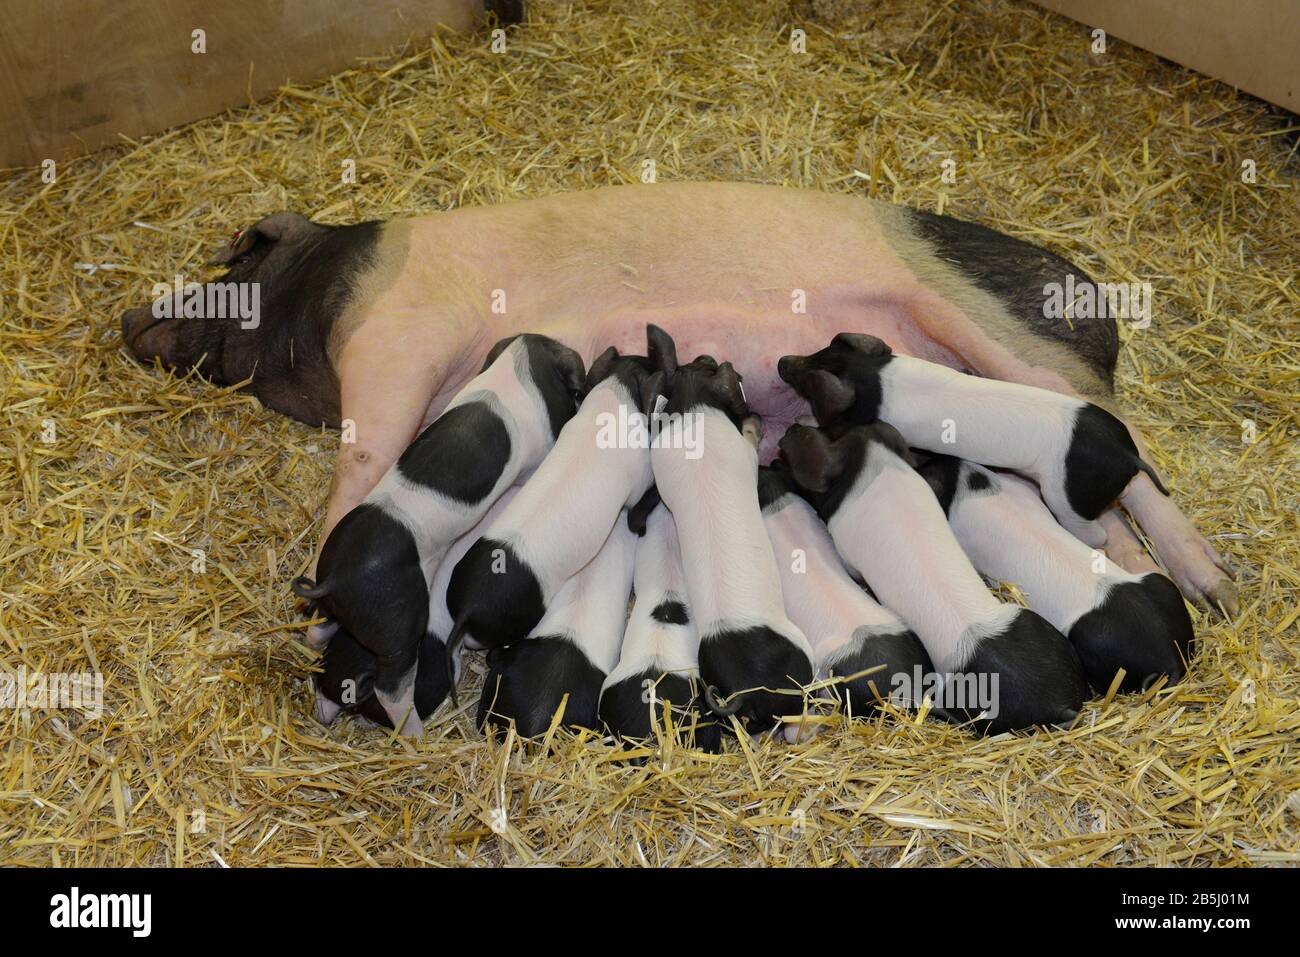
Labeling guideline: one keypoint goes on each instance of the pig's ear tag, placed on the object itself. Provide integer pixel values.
(740, 384)
(661, 401)
(234, 237)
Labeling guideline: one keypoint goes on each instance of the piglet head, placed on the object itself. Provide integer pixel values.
(825, 462)
(705, 383)
(841, 381)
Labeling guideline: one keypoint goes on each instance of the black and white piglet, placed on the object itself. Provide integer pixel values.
(503, 586)
(1113, 618)
(1081, 456)
(347, 682)
(377, 565)
(851, 635)
(1000, 664)
(658, 665)
(706, 469)
(572, 649)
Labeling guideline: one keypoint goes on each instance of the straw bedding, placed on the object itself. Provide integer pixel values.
(207, 754)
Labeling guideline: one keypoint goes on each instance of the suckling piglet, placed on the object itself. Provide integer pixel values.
(658, 664)
(377, 565)
(507, 580)
(1081, 456)
(850, 633)
(574, 646)
(1113, 618)
(1002, 665)
(750, 652)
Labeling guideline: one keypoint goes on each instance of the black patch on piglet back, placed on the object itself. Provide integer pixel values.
(495, 607)
(671, 613)
(1100, 462)
(527, 680)
(1141, 626)
(460, 455)
(1016, 272)
(977, 481)
(759, 658)
(1040, 678)
(626, 712)
(900, 653)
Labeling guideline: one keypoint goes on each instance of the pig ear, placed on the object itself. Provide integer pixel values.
(860, 342)
(272, 229)
(661, 349)
(571, 370)
(495, 352)
(892, 439)
(652, 387)
(814, 462)
(601, 368)
(829, 395)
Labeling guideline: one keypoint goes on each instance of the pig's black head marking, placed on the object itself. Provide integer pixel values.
(558, 375)
(661, 349)
(304, 275)
(636, 374)
(841, 381)
(704, 383)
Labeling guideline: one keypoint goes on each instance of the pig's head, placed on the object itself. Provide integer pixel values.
(268, 318)
(645, 377)
(702, 383)
(842, 380)
(825, 463)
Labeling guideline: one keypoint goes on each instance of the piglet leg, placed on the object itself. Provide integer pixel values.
(1122, 545)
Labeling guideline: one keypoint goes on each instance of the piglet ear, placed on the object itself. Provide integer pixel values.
(572, 372)
(661, 349)
(601, 368)
(652, 387)
(814, 461)
(829, 395)
(860, 342)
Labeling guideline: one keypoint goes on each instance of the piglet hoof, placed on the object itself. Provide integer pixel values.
(1223, 598)
(326, 711)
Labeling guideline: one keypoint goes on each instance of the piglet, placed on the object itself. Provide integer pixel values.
(850, 633)
(574, 646)
(1081, 456)
(1113, 618)
(377, 565)
(347, 681)
(706, 468)
(889, 528)
(659, 661)
(600, 465)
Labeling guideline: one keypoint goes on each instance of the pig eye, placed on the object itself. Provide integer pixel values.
(242, 260)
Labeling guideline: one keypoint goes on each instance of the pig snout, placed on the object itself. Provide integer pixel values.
(147, 336)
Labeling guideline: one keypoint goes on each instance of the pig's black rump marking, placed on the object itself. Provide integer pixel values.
(625, 711)
(370, 581)
(1142, 627)
(900, 653)
(1015, 272)
(1040, 677)
(493, 595)
(461, 454)
(1100, 462)
(344, 659)
(527, 680)
(760, 658)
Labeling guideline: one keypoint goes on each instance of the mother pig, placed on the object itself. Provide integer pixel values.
(382, 322)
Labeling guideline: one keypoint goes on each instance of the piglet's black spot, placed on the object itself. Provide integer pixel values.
(626, 709)
(1142, 627)
(1040, 680)
(527, 681)
(1101, 461)
(460, 455)
(671, 613)
(977, 481)
(756, 658)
